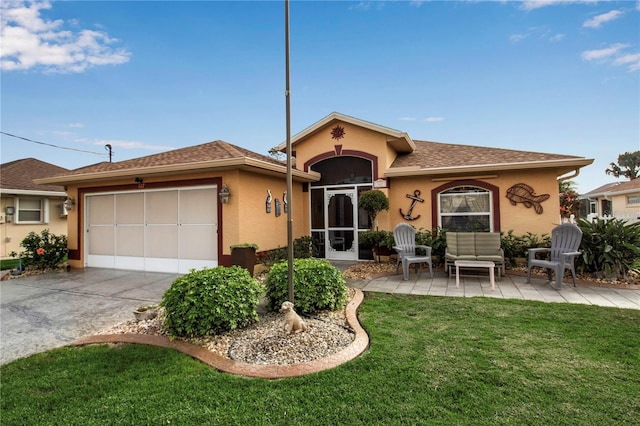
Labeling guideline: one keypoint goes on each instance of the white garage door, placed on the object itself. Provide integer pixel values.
(170, 230)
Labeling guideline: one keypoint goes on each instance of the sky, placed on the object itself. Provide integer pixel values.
(559, 77)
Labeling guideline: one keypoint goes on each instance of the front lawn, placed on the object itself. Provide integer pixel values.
(433, 360)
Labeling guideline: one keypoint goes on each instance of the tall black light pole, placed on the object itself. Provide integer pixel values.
(287, 94)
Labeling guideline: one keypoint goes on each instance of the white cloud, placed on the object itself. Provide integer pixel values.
(613, 56)
(598, 20)
(515, 38)
(433, 119)
(633, 60)
(590, 55)
(30, 41)
(557, 37)
(407, 119)
(537, 4)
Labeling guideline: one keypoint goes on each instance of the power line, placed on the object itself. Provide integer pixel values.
(54, 146)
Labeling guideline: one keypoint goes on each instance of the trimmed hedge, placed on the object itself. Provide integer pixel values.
(317, 284)
(211, 301)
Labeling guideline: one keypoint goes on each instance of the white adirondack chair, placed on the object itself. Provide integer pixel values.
(404, 236)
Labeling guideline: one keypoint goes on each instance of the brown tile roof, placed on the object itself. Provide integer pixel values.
(19, 175)
(436, 154)
(216, 150)
(617, 187)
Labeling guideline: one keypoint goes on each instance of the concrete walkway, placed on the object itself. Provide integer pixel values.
(508, 287)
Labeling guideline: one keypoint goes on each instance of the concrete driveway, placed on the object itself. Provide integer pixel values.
(41, 312)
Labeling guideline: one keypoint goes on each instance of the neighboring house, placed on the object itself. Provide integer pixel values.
(163, 212)
(26, 206)
(620, 200)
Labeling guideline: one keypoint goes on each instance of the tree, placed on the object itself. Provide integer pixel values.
(628, 166)
(373, 202)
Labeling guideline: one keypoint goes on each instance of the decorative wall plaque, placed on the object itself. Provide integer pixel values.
(415, 198)
(337, 133)
(268, 202)
(523, 193)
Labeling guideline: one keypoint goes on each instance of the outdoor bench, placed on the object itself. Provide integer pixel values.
(474, 246)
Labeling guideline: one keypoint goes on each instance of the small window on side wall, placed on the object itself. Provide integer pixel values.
(31, 210)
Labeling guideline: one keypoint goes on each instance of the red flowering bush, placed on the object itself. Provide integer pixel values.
(569, 203)
(44, 250)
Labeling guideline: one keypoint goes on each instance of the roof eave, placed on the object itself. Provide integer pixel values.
(563, 167)
(174, 169)
(9, 191)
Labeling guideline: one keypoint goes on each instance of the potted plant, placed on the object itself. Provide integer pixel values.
(373, 202)
(380, 241)
(144, 313)
(244, 255)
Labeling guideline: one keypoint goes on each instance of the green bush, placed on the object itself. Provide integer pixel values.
(44, 250)
(302, 248)
(434, 239)
(317, 284)
(211, 301)
(515, 246)
(609, 246)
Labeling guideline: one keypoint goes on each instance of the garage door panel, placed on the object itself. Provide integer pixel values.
(198, 206)
(130, 209)
(161, 241)
(100, 209)
(162, 207)
(198, 242)
(130, 240)
(101, 240)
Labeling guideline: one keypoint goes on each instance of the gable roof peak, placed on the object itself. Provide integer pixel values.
(401, 141)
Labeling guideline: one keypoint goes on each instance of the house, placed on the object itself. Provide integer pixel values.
(28, 207)
(168, 211)
(620, 200)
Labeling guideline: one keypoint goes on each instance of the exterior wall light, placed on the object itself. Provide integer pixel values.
(69, 203)
(224, 194)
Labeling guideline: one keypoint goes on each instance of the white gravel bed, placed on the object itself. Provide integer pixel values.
(265, 342)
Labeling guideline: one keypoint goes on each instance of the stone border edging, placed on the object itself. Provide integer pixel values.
(356, 348)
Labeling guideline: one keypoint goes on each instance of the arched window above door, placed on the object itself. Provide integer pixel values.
(343, 170)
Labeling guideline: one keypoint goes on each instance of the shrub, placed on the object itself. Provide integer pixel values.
(303, 248)
(211, 301)
(373, 202)
(318, 285)
(44, 250)
(376, 239)
(434, 239)
(609, 246)
(516, 246)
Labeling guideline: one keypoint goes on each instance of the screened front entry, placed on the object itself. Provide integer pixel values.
(335, 217)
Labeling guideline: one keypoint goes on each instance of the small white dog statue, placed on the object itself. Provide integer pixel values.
(292, 322)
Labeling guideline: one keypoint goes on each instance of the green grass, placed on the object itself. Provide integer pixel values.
(462, 361)
(8, 263)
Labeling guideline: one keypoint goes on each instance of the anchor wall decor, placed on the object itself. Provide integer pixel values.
(415, 198)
